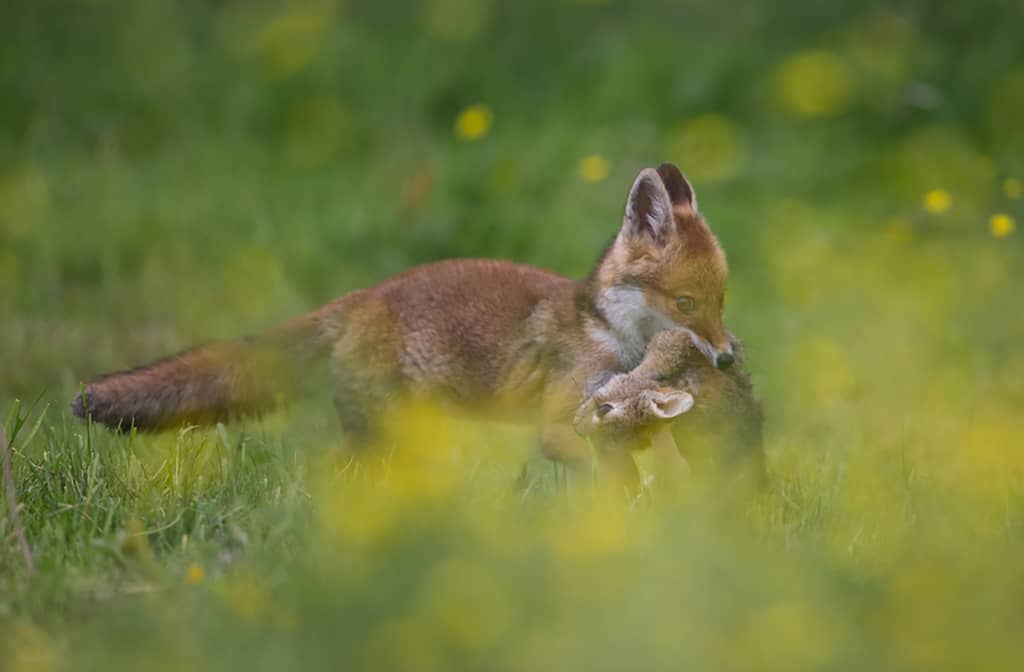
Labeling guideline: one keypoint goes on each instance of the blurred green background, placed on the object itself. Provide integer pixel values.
(180, 171)
(177, 172)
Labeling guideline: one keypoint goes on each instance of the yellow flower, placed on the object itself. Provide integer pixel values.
(594, 168)
(473, 122)
(937, 201)
(1001, 225)
(814, 84)
(195, 574)
(1013, 188)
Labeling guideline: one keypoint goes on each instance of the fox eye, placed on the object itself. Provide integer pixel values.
(686, 304)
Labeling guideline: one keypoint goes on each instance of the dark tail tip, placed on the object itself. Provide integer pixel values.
(78, 406)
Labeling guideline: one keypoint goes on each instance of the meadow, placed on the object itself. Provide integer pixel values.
(173, 173)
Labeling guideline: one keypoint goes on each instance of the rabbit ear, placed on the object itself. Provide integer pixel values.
(668, 405)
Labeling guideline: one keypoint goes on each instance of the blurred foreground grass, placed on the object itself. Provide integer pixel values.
(179, 172)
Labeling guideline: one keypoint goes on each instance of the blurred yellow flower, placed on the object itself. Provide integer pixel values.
(598, 530)
(1001, 225)
(814, 84)
(937, 201)
(1006, 109)
(830, 378)
(1012, 188)
(253, 283)
(10, 273)
(28, 649)
(404, 644)
(288, 42)
(882, 45)
(788, 636)
(709, 146)
(594, 168)
(195, 574)
(285, 620)
(316, 128)
(899, 230)
(473, 122)
(941, 155)
(460, 20)
(24, 200)
(469, 601)
(247, 597)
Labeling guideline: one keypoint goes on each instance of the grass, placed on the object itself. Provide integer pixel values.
(173, 173)
(237, 546)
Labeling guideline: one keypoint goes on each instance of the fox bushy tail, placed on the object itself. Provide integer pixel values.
(209, 383)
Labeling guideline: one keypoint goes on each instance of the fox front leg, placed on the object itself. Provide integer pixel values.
(559, 443)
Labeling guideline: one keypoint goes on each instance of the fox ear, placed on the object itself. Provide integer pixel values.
(649, 208)
(668, 405)
(679, 190)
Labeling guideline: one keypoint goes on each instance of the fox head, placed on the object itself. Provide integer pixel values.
(664, 270)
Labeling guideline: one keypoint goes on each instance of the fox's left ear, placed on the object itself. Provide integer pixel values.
(678, 187)
(648, 208)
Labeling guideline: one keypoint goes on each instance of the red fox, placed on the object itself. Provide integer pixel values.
(484, 334)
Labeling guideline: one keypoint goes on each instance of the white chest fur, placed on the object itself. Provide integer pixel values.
(631, 323)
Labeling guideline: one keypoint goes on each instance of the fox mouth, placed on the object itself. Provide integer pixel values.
(703, 345)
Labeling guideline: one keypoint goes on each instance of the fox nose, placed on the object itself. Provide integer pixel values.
(724, 360)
